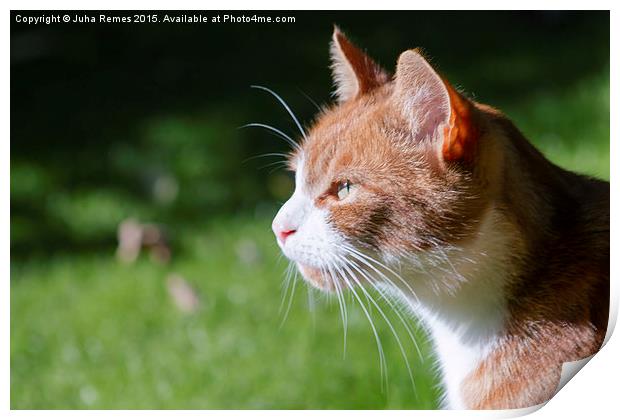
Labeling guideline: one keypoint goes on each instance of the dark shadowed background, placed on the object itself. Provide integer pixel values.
(131, 131)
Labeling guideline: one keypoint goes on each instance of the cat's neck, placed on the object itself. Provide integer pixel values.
(466, 296)
(461, 299)
(466, 282)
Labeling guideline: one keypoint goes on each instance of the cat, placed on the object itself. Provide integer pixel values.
(439, 201)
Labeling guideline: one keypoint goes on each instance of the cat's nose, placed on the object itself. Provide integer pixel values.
(282, 232)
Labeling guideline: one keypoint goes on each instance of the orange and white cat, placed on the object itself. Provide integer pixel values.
(406, 184)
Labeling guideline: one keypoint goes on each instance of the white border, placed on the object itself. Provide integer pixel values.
(593, 393)
(313, 5)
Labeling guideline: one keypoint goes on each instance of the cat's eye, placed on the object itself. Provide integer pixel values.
(344, 188)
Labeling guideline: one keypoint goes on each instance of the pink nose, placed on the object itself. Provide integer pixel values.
(283, 234)
(282, 230)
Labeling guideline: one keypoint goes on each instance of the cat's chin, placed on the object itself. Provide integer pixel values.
(321, 280)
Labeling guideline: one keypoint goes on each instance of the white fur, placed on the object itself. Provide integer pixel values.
(464, 320)
(459, 351)
(345, 79)
(315, 242)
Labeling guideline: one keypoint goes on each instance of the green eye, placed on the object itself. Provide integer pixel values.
(344, 188)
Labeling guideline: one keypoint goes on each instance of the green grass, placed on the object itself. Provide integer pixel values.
(89, 332)
(571, 128)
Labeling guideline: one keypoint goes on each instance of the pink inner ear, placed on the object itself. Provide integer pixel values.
(423, 95)
(434, 113)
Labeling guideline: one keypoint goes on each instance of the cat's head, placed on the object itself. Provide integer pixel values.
(388, 172)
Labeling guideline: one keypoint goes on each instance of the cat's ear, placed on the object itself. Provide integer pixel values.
(354, 72)
(435, 108)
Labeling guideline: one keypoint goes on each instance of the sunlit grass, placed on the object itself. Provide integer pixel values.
(571, 128)
(89, 332)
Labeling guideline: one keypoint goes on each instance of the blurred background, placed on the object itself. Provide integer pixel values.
(143, 270)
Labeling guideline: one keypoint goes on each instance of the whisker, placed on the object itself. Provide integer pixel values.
(343, 315)
(387, 299)
(366, 259)
(339, 297)
(285, 105)
(361, 257)
(312, 305)
(382, 360)
(285, 286)
(344, 306)
(290, 300)
(279, 163)
(387, 320)
(263, 155)
(276, 131)
(318, 107)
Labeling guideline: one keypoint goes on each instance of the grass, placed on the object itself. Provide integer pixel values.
(90, 332)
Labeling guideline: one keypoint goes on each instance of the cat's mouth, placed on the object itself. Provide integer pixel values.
(320, 278)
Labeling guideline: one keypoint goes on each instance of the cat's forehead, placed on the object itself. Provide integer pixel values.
(351, 137)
